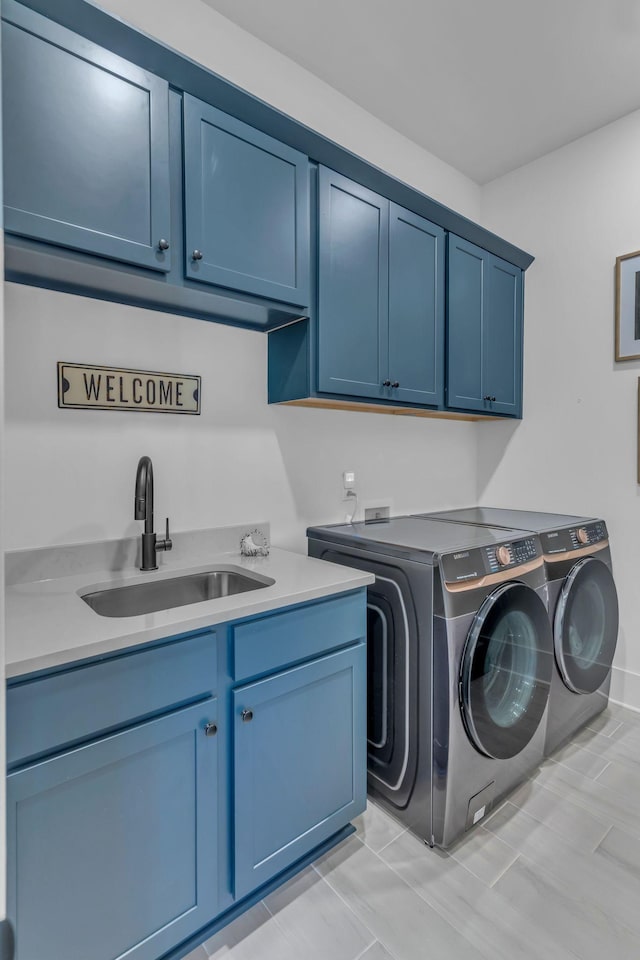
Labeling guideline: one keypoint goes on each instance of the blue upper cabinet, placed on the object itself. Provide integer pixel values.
(416, 308)
(86, 158)
(353, 278)
(503, 337)
(484, 351)
(465, 315)
(380, 297)
(246, 207)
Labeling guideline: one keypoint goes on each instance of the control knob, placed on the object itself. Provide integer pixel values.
(503, 556)
(582, 535)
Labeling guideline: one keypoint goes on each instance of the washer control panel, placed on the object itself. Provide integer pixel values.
(473, 564)
(573, 538)
(512, 554)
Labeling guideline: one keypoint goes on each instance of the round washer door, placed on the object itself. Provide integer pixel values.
(586, 626)
(506, 671)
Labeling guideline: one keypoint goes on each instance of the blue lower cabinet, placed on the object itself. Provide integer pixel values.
(300, 762)
(136, 840)
(105, 843)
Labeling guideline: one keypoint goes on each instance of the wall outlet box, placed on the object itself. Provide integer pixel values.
(349, 479)
(376, 513)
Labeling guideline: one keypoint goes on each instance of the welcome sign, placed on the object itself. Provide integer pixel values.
(88, 387)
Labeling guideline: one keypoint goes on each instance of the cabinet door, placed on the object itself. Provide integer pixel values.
(416, 308)
(300, 762)
(112, 847)
(466, 283)
(502, 344)
(88, 164)
(484, 353)
(246, 207)
(352, 288)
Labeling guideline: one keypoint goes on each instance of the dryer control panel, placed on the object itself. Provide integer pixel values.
(480, 561)
(573, 538)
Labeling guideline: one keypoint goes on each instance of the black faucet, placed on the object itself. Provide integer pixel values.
(143, 510)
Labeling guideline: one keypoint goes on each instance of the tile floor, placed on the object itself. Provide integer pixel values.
(554, 873)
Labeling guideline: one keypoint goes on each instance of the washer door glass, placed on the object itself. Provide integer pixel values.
(586, 626)
(506, 671)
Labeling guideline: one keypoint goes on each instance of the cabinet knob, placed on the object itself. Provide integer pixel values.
(395, 384)
(247, 715)
(492, 399)
(210, 729)
(196, 255)
(386, 383)
(163, 244)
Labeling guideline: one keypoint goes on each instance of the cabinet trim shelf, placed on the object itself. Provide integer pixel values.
(379, 408)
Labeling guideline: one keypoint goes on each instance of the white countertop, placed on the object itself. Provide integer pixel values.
(48, 624)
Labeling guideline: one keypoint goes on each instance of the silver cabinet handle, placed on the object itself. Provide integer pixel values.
(247, 715)
(196, 255)
(163, 244)
(210, 729)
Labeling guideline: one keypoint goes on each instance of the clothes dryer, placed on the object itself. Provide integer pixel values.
(460, 660)
(583, 607)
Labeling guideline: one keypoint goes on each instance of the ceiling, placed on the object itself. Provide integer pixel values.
(486, 85)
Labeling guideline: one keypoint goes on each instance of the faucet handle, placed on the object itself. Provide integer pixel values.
(167, 543)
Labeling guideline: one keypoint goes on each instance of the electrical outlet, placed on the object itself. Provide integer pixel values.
(349, 479)
(376, 513)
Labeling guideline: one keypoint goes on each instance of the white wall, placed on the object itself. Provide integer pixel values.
(3, 850)
(201, 33)
(70, 473)
(576, 210)
(3, 871)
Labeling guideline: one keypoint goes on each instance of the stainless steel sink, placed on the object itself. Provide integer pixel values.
(139, 598)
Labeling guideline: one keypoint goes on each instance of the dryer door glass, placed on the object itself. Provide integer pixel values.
(506, 671)
(586, 626)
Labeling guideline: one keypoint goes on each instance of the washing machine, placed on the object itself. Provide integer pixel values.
(583, 606)
(460, 661)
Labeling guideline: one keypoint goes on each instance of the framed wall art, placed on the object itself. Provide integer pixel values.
(628, 306)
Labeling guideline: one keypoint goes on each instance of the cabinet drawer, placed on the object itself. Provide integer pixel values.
(46, 714)
(262, 646)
